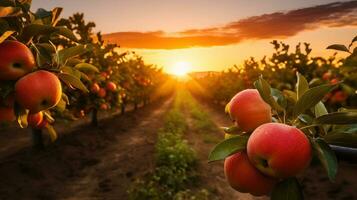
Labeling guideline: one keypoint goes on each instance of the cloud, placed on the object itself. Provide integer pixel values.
(267, 26)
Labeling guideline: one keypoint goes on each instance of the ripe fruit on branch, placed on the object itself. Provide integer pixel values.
(244, 177)
(339, 96)
(111, 86)
(95, 88)
(334, 81)
(249, 110)
(16, 60)
(38, 91)
(279, 150)
(35, 119)
(326, 76)
(104, 106)
(7, 115)
(102, 92)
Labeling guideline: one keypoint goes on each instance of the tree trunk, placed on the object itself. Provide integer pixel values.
(135, 106)
(94, 121)
(37, 139)
(122, 109)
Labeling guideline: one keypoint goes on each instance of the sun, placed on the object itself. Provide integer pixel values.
(181, 68)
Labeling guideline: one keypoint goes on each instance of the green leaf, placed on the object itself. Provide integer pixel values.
(65, 98)
(301, 85)
(73, 81)
(226, 108)
(327, 157)
(347, 117)
(10, 11)
(338, 47)
(342, 139)
(52, 132)
(291, 95)
(71, 52)
(228, 147)
(5, 35)
(320, 109)
(265, 92)
(21, 115)
(86, 67)
(61, 105)
(311, 97)
(48, 116)
(307, 119)
(279, 97)
(56, 12)
(353, 40)
(232, 129)
(35, 30)
(288, 189)
(64, 31)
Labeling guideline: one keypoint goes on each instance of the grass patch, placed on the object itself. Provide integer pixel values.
(175, 163)
(201, 121)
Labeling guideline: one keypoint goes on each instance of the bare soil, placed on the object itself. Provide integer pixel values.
(90, 163)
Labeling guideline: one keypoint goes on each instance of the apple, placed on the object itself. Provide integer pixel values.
(35, 119)
(279, 150)
(339, 96)
(104, 106)
(43, 124)
(244, 177)
(334, 81)
(16, 60)
(95, 88)
(104, 75)
(249, 110)
(326, 76)
(111, 86)
(102, 92)
(7, 115)
(38, 91)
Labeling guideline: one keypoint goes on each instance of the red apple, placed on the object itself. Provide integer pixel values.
(35, 119)
(104, 106)
(339, 96)
(43, 124)
(249, 110)
(334, 81)
(16, 60)
(279, 150)
(102, 92)
(326, 76)
(95, 88)
(111, 86)
(104, 75)
(244, 177)
(7, 115)
(38, 91)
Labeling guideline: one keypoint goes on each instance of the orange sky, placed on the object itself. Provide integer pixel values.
(212, 36)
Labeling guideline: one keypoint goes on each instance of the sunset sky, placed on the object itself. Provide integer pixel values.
(214, 35)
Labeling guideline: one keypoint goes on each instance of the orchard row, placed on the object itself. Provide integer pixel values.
(280, 126)
(279, 70)
(52, 67)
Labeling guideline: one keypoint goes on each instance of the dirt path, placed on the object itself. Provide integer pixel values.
(91, 163)
(212, 175)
